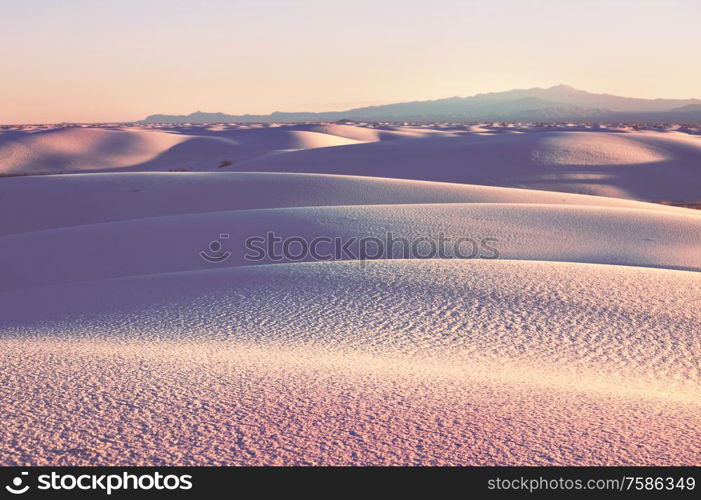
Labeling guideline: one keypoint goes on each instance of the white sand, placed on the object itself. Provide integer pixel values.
(497, 362)
(91, 198)
(642, 165)
(579, 345)
(619, 162)
(75, 149)
(560, 233)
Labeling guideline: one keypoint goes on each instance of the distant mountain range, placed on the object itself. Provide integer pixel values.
(559, 103)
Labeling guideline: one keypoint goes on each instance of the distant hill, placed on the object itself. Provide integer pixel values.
(689, 108)
(559, 103)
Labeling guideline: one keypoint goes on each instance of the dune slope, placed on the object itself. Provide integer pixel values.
(643, 165)
(498, 362)
(52, 201)
(470, 230)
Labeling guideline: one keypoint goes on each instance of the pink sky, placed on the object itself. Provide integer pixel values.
(122, 60)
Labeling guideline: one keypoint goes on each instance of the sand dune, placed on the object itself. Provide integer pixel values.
(317, 363)
(94, 149)
(626, 164)
(76, 149)
(577, 345)
(47, 202)
(509, 231)
(633, 164)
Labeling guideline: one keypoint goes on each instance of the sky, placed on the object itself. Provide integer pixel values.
(121, 60)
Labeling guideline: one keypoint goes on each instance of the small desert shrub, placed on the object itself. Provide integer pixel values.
(696, 206)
